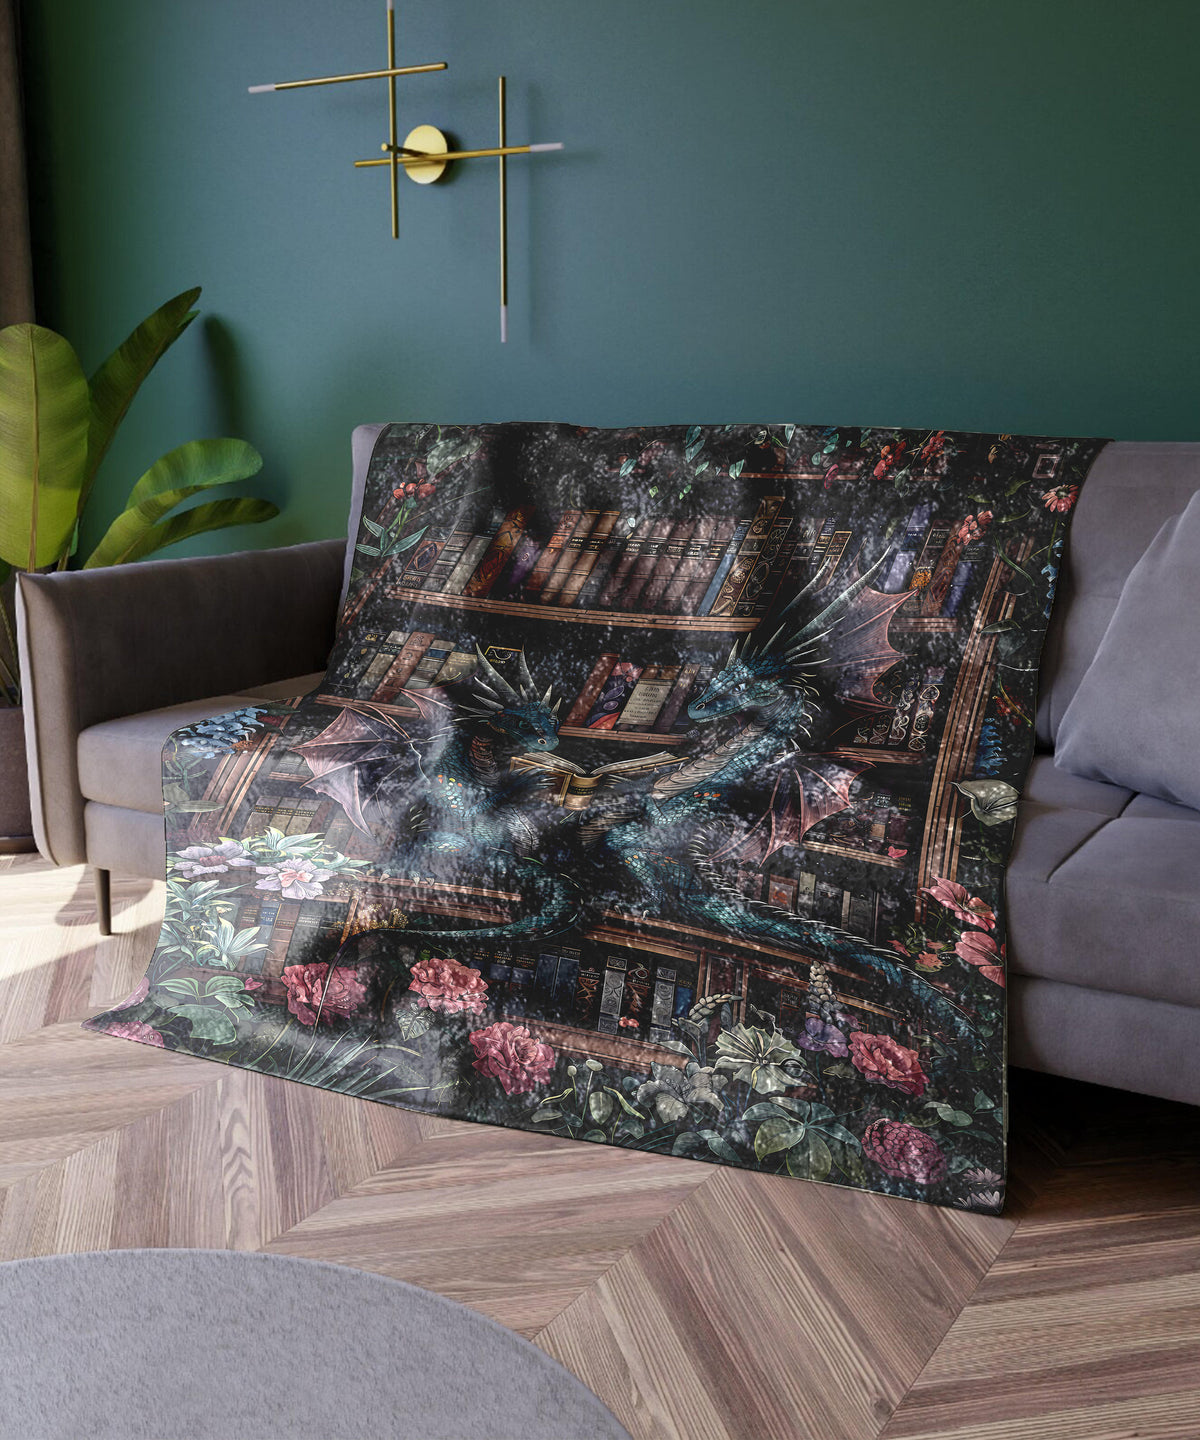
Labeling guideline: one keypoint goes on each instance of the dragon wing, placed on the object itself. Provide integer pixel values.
(807, 791)
(351, 758)
(857, 650)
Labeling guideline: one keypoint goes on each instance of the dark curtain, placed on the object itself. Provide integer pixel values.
(16, 274)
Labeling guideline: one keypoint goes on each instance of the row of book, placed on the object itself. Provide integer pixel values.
(607, 560)
(385, 663)
(624, 695)
(805, 893)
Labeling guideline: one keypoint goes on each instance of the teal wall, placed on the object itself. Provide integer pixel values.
(919, 212)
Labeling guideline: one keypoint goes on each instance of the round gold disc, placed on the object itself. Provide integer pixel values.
(430, 140)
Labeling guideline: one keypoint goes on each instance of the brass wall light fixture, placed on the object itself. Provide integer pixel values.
(425, 154)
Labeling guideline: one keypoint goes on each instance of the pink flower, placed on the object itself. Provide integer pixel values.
(896, 852)
(959, 901)
(343, 992)
(200, 860)
(135, 1030)
(981, 950)
(294, 879)
(880, 1058)
(426, 490)
(904, 1151)
(1061, 498)
(447, 986)
(973, 526)
(510, 1054)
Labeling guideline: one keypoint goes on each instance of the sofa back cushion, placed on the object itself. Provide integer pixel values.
(1133, 488)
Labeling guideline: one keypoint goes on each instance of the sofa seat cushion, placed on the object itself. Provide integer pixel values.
(1105, 896)
(120, 761)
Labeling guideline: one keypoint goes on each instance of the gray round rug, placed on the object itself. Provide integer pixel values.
(215, 1345)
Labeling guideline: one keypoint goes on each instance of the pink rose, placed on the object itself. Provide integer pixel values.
(510, 1054)
(904, 1151)
(447, 986)
(135, 1030)
(958, 899)
(880, 1058)
(343, 992)
(981, 950)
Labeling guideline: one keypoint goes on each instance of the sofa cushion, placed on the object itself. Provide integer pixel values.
(120, 761)
(1134, 719)
(1101, 897)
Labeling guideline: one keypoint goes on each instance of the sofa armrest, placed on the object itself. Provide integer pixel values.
(99, 644)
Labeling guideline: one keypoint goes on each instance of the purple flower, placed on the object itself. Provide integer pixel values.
(294, 879)
(199, 860)
(820, 1036)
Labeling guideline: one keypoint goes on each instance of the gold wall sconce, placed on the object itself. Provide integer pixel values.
(425, 154)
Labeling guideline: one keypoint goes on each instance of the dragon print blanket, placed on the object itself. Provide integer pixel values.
(658, 795)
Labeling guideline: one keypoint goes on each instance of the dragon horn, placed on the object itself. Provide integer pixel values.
(495, 680)
(557, 703)
(546, 696)
(732, 655)
(526, 679)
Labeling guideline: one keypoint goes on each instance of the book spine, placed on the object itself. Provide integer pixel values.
(723, 567)
(674, 701)
(670, 557)
(623, 564)
(568, 556)
(768, 572)
(696, 588)
(693, 558)
(459, 664)
(421, 562)
(405, 663)
(587, 993)
(535, 581)
(834, 551)
(634, 1018)
(467, 561)
(448, 558)
(566, 979)
(588, 557)
(644, 566)
(747, 557)
(612, 993)
(649, 696)
(498, 553)
(582, 708)
(524, 559)
(616, 691)
(382, 660)
(435, 656)
(610, 554)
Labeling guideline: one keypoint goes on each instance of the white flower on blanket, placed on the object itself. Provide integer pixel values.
(199, 860)
(294, 879)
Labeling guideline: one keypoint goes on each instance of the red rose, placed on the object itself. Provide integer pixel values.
(904, 1151)
(510, 1054)
(343, 992)
(879, 1057)
(448, 986)
(981, 950)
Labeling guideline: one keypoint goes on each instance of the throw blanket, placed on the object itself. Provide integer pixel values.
(658, 795)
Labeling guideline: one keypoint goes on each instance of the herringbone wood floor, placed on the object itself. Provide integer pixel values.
(698, 1302)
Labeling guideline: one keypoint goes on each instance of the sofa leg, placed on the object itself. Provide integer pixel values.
(103, 900)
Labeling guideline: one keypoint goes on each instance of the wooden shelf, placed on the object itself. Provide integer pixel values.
(739, 625)
(629, 737)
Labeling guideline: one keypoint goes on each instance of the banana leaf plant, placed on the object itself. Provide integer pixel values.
(56, 427)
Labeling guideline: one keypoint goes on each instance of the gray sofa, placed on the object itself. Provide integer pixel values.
(1103, 884)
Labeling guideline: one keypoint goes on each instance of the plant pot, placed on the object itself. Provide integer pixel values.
(16, 827)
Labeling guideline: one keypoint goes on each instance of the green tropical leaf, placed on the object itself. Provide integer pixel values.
(600, 1107)
(810, 1159)
(720, 1146)
(216, 515)
(176, 477)
(208, 1023)
(848, 1161)
(43, 444)
(775, 1135)
(547, 1113)
(413, 1023)
(120, 377)
(625, 1105)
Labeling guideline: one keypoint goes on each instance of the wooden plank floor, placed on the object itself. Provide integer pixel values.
(698, 1302)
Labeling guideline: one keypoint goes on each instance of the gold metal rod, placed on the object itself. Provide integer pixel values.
(392, 136)
(463, 155)
(342, 79)
(503, 163)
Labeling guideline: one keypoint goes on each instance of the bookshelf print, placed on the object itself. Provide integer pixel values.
(682, 759)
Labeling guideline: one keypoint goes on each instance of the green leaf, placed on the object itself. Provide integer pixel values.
(596, 1135)
(181, 986)
(217, 983)
(413, 1023)
(736, 469)
(547, 1113)
(119, 378)
(43, 444)
(688, 1143)
(600, 1106)
(216, 515)
(720, 1146)
(848, 1161)
(765, 1110)
(208, 1023)
(375, 529)
(810, 1159)
(1015, 486)
(775, 1135)
(835, 1131)
(1019, 569)
(982, 1102)
(176, 477)
(625, 1105)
